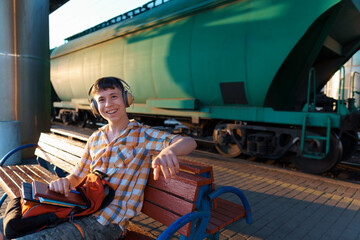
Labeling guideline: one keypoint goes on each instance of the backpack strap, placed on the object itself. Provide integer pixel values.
(109, 192)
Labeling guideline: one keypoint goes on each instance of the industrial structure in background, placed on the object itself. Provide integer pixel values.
(24, 72)
(248, 73)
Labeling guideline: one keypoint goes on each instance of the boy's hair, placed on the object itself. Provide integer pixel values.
(105, 83)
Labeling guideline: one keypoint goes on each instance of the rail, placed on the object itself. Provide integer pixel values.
(341, 97)
(130, 14)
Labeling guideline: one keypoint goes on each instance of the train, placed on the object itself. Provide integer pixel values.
(247, 74)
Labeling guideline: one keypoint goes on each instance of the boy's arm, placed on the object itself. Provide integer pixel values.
(63, 185)
(167, 161)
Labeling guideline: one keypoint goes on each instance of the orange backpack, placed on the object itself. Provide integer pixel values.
(22, 218)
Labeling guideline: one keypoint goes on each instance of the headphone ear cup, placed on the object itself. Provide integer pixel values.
(94, 107)
(128, 99)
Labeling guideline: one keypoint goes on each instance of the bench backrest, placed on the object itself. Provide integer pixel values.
(164, 201)
(168, 200)
(61, 151)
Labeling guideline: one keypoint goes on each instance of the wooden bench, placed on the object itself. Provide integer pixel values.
(186, 203)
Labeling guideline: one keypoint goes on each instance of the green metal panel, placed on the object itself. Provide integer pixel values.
(137, 66)
(112, 58)
(253, 114)
(274, 28)
(218, 50)
(172, 103)
(171, 70)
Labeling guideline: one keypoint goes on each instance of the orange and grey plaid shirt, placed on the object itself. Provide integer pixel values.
(126, 161)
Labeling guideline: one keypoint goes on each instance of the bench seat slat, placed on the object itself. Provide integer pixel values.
(54, 160)
(63, 143)
(164, 216)
(9, 186)
(13, 176)
(168, 201)
(183, 184)
(226, 213)
(21, 175)
(39, 173)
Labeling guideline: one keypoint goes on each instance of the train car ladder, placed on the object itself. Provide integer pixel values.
(305, 136)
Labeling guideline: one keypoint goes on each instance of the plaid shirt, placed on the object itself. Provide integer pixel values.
(126, 161)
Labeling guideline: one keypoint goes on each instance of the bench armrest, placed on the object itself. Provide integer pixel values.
(3, 160)
(239, 193)
(203, 216)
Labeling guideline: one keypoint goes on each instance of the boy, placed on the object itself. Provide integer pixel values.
(122, 149)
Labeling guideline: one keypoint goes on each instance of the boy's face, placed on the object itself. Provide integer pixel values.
(111, 105)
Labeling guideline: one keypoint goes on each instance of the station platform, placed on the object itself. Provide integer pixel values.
(285, 204)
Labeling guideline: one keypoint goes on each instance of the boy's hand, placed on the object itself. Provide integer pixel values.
(167, 162)
(61, 185)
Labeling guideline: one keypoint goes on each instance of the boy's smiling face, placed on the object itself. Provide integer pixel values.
(111, 105)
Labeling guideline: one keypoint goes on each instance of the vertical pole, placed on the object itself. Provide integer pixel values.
(24, 71)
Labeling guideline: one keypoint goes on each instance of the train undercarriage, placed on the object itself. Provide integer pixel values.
(312, 149)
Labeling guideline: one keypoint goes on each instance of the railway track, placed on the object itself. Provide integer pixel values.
(347, 171)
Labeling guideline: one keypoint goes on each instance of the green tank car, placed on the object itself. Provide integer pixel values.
(244, 72)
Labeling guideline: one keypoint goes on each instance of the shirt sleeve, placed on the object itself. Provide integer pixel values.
(82, 168)
(156, 140)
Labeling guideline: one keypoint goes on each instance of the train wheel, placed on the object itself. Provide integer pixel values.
(312, 165)
(224, 142)
(82, 119)
(65, 119)
(349, 143)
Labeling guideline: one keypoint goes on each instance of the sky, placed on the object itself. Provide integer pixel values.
(78, 15)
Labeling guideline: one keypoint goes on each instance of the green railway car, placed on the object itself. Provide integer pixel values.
(244, 71)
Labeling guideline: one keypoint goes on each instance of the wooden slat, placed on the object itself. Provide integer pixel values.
(226, 213)
(183, 184)
(8, 184)
(54, 160)
(65, 144)
(163, 216)
(132, 235)
(64, 156)
(23, 177)
(39, 173)
(168, 201)
(68, 133)
(11, 177)
(194, 167)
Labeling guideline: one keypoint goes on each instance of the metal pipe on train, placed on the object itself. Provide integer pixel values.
(246, 69)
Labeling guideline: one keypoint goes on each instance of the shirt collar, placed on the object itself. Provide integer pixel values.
(133, 124)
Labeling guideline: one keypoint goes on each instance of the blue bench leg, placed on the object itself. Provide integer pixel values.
(214, 236)
(3, 199)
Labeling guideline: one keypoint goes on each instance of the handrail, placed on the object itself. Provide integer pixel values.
(130, 14)
(179, 223)
(3, 160)
(352, 87)
(240, 194)
(312, 75)
(341, 81)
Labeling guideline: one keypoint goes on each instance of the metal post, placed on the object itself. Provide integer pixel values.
(25, 67)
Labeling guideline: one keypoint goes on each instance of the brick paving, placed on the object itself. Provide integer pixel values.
(286, 204)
